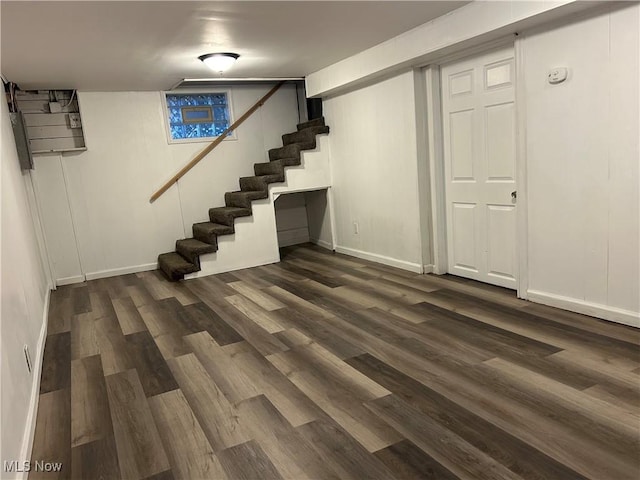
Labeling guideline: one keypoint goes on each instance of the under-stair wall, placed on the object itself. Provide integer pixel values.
(291, 219)
(104, 192)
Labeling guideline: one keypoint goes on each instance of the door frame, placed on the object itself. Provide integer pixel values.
(435, 158)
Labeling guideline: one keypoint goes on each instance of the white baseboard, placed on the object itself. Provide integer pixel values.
(428, 268)
(69, 280)
(121, 271)
(30, 428)
(374, 257)
(321, 243)
(606, 312)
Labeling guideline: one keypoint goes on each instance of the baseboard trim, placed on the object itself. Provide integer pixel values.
(30, 430)
(374, 257)
(605, 312)
(121, 271)
(321, 243)
(69, 280)
(428, 268)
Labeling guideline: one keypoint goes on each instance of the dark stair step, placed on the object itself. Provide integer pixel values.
(260, 182)
(305, 135)
(316, 122)
(243, 198)
(270, 168)
(289, 162)
(175, 266)
(291, 150)
(226, 215)
(191, 249)
(208, 232)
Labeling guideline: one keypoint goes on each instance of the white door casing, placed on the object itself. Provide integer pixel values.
(479, 133)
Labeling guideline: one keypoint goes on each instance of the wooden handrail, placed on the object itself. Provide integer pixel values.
(215, 143)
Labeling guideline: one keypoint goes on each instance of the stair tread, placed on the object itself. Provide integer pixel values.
(175, 265)
(261, 177)
(196, 246)
(306, 135)
(316, 122)
(244, 198)
(285, 161)
(212, 227)
(232, 210)
(227, 215)
(246, 193)
(208, 232)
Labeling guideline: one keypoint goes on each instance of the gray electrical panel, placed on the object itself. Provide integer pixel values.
(52, 120)
(22, 142)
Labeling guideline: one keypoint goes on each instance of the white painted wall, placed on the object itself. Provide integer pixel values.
(25, 292)
(375, 172)
(319, 217)
(53, 204)
(582, 147)
(128, 158)
(291, 219)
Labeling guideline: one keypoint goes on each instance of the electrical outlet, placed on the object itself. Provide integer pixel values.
(74, 120)
(27, 357)
(356, 228)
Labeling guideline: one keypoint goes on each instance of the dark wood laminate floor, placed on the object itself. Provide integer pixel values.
(328, 367)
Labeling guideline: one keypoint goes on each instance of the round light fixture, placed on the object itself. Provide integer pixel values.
(219, 62)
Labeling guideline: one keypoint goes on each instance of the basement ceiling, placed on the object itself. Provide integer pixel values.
(111, 46)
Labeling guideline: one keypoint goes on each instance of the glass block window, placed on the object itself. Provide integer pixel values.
(193, 116)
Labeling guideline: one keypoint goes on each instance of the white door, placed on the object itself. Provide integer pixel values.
(479, 128)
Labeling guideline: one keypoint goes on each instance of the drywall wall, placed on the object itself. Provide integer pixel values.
(319, 217)
(375, 170)
(582, 156)
(49, 182)
(108, 187)
(291, 219)
(24, 288)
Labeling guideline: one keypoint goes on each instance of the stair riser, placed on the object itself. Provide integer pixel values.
(211, 239)
(304, 136)
(191, 249)
(250, 184)
(290, 151)
(174, 277)
(269, 168)
(189, 255)
(224, 219)
(290, 162)
(244, 201)
(237, 202)
(176, 274)
(316, 122)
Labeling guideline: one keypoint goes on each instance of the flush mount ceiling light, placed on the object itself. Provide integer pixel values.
(219, 62)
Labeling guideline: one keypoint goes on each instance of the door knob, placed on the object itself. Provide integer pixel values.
(514, 195)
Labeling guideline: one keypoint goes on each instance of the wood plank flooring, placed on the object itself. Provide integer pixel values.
(324, 366)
